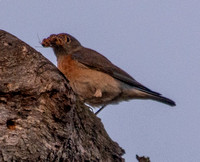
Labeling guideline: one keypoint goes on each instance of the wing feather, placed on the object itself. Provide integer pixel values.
(99, 62)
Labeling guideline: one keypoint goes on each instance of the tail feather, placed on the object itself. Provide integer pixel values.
(163, 100)
(141, 94)
(154, 96)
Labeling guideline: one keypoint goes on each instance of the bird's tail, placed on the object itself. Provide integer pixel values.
(148, 94)
(164, 100)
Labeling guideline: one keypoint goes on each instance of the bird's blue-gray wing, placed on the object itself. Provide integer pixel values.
(98, 62)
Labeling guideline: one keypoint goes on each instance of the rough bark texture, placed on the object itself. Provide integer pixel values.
(143, 159)
(40, 117)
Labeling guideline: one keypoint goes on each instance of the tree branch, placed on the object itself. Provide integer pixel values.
(41, 119)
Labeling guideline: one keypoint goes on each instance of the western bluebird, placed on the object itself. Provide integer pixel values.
(96, 80)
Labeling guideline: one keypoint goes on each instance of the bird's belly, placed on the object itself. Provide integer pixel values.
(93, 87)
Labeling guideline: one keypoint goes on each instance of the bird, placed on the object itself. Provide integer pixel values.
(94, 78)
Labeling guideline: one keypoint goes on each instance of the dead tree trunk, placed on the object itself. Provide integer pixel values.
(40, 116)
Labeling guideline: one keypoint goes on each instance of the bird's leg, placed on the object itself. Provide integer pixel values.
(100, 109)
(91, 109)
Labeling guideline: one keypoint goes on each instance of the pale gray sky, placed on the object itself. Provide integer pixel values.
(157, 42)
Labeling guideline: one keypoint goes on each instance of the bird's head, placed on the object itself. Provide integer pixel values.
(61, 43)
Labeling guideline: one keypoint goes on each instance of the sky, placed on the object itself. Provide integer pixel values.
(157, 42)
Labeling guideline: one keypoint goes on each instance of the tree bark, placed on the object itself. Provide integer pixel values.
(41, 119)
(142, 159)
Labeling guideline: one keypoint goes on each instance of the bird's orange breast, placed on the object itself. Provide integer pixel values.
(93, 86)
(72, 69)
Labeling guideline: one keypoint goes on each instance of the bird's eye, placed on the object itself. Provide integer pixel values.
(68, 39)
